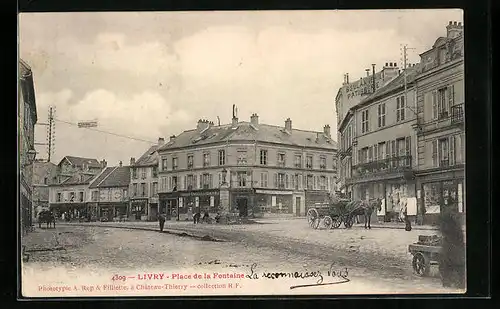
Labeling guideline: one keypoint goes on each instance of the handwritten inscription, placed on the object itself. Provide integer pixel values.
(333, 272)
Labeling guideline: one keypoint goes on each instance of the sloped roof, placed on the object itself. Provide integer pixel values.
(79, 161)
(76, 180)
(150, 157)
(24, 69)
(248, 132)
(394, 84)
(118, 176)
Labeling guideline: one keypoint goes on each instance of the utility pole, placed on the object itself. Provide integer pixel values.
(51, 127)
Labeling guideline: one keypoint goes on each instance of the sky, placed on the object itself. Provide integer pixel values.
(147, 75)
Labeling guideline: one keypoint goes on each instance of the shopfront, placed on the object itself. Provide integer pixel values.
(181, 201)
(242, 202)
(138, 209)
(272, 201)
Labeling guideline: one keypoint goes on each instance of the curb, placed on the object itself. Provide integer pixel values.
(178, 232)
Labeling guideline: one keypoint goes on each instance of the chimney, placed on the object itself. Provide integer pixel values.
(161, 141)
(254, 119)
(389, 71)
(326, 130)
(367, 72)
(454, 29)
(288, 125)
(132, 161)
(347, 78)
(104, 164)
(172, 138)
(373, 81)
(202, 125)
(120, 164)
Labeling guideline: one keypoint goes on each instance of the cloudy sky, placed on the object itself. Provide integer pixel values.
(150, 74)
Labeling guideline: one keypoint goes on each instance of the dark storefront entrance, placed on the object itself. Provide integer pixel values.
(138, 209)
(242, 206)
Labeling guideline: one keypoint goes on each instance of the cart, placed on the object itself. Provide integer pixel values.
(332, 215)
(425, 253)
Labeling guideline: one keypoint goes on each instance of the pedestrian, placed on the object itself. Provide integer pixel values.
(161, 219)
(405, 216)
(196, 217)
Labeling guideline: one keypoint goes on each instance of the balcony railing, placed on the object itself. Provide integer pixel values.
(385, 165)
(457, 113)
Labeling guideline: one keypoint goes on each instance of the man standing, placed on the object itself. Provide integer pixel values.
(161, 219)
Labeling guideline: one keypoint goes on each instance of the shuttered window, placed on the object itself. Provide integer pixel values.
(434, 153)
(452, 150)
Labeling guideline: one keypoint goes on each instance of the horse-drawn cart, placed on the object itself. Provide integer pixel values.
(331, 215)
(425, 253)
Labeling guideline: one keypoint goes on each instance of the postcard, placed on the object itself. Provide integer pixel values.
(257, 153)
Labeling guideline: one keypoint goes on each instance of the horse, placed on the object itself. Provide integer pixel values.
(46, 216)
(366, 208)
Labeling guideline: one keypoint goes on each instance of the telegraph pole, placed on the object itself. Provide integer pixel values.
(51, 128)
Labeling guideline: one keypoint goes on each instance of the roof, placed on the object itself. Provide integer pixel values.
(79, 161)
(149, 158)
(248, 132)
(24, 69)
(27, 86)
(117, 176)
(395, 84)
(76, 180)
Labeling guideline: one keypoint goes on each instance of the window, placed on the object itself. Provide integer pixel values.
(206, 181)
(364, 121)
(242, 179)
(72, 196)
(309, 162)
(296, 181)
(298, 161)
(81, 196)
(45, 180)
(155, 171)
(310, 181)
(134, 189)
(164, 164)
(444, 159)
(400, 108)
(222, 157)
(190, 182)
(442, 104)
(174, 183)
(59, 197)
(174, 163)
(442, 55)
(263, 157)
(143, 189)
(322, 163)
(94, 196)
(281, 159)
(154, 189)
(381, 115)
(143, 173)
(334, 163)
(206, 159)
(125, 193)
(134, 173)
(322, 183)
(349, 137)
(281, 180)
(190, 161)
(242, 157)
(263, 180)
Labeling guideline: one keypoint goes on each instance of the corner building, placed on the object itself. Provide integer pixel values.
(253, 168)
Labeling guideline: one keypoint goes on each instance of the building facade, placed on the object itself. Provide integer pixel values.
(348, 96)
(109, 195)
(71, 165)
(144, 184)
(44, 174)
(27, 117)
(384, 146)
(246, 167)
(441, 131)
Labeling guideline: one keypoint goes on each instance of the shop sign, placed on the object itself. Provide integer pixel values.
(274, 192)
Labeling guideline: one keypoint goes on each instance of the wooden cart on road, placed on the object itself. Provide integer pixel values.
(425, 253)
(331, 215)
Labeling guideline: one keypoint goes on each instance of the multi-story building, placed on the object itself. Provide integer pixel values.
(44, 174)
(70, 165)
(27, 117)
(109, 198)
(70, 196)
(254, 167)
(441, 134)
(144, 184)
(348, 96)
(383, 145)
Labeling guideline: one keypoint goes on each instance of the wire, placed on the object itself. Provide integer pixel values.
(106, 132)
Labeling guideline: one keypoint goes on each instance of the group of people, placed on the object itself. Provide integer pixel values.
(196, 217)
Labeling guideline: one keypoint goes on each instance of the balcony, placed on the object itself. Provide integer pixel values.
(378, 169)
(457, 114)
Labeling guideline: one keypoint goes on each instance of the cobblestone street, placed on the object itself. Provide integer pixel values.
(108, 250)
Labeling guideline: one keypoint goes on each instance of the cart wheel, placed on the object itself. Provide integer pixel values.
(421, 264)
(337, 221)
(348, 221)
(313, 218)
(328, 222)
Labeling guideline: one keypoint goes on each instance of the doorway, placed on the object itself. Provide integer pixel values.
(297, 206)
(242, 204)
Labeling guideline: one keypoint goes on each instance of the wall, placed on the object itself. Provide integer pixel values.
(109, 195)
(148, 180)
(65, 193)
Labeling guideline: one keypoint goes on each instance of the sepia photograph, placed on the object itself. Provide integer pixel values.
(247, 153)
